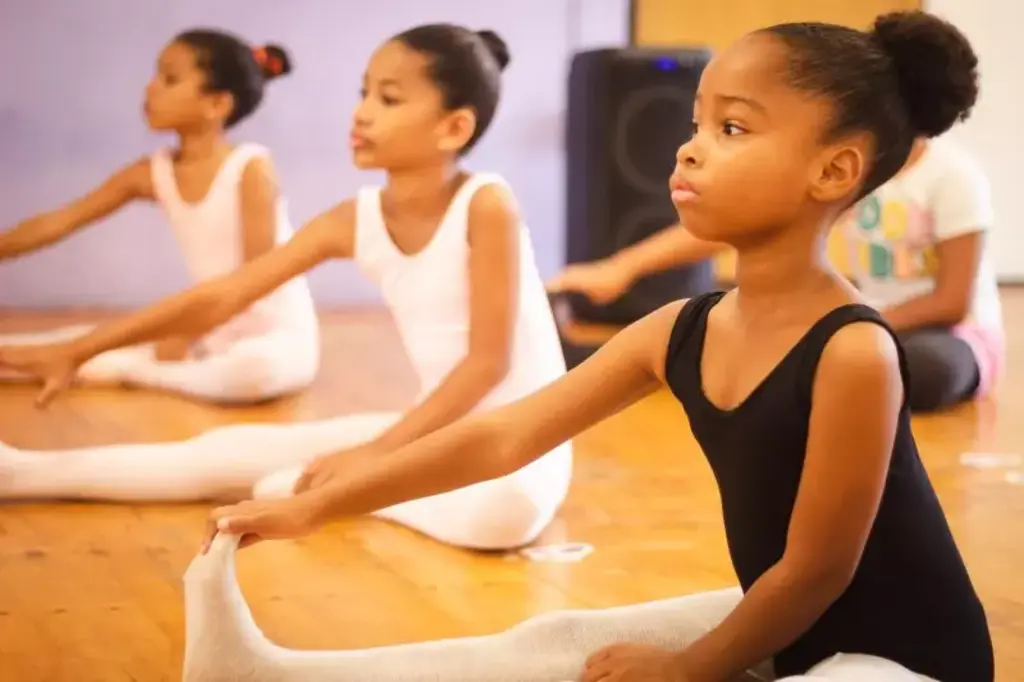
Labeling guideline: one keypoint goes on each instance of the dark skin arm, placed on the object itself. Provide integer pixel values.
(948, 303)
(191, 312)
(126, 185)
(476, 448)
(258, 192)
(606, 280)
(857, 397)
(259, 195)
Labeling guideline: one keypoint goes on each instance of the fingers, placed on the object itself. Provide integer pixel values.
(51, 388)
(237, 523)
(232, 520)
(319, 478)
(250, 517)
(600, 664)
(556, 285)
(304, 481)
(208, 535)
(249, 540)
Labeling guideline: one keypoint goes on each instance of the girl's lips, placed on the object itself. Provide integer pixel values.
(682, 191)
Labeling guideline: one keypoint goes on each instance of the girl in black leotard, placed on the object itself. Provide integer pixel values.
(795, 390)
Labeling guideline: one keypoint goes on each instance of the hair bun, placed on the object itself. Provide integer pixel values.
(273, 60)
(936, 67)
(497, 47)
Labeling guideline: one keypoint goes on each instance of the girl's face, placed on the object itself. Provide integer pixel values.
(400, 120)
(176, 97)
(758, 160)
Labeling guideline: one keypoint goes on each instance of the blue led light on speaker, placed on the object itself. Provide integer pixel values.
(666, 64)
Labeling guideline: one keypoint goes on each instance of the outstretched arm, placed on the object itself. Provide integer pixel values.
(203, 307)
(672, 247)
(214, 302)
(605, 280)
(130, 183)
(479, 447)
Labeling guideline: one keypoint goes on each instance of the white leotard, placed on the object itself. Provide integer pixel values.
(210, 234)
(428, 294)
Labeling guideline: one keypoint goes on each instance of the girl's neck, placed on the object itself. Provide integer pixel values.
(773, 276)
(200, 145)
(421, 190)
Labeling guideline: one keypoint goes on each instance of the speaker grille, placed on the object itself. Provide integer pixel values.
(629, 112)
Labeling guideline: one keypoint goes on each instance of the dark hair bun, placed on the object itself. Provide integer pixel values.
(273, 60)
(496, 46)
(936, 66)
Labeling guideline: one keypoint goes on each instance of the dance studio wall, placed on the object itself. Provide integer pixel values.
(70, 98)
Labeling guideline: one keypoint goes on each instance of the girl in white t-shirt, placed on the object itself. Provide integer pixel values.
(455, 264)
(918, 251)
(224, 208)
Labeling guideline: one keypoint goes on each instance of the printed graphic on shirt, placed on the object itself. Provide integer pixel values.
(890, 239)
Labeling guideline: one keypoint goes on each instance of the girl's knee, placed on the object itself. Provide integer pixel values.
(256, 375)
(508, 518)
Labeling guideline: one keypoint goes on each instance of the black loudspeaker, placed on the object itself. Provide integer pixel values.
(629, 111)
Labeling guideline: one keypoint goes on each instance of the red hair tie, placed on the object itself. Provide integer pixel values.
(269, 63)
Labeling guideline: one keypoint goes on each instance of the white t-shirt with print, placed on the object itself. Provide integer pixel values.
(892, 234)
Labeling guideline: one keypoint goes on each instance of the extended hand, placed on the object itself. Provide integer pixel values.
(601, 281)
(257, 520)
(52, 364)
(633, 663)
(329, 467)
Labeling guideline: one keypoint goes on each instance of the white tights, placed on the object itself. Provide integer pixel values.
(265, 460)
(222, 641)
(251, 370)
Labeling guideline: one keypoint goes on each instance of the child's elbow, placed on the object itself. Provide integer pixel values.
(503, 450)
(824, 577)
(492, 368)
(952, 307)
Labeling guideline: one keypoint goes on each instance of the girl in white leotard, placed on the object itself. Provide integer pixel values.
(456, 267)
(223, 205)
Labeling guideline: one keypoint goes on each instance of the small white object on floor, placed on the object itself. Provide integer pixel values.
(991, 460)
(566, 553)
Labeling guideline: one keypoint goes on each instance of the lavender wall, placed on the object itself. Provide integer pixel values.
(70, 94)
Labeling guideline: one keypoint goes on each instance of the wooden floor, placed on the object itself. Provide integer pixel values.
(92, 593)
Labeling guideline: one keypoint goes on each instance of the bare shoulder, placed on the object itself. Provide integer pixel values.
(334, 229)
(861, 354)
(656, 332)
(135, 179)
(259, 169)
(492, 206)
